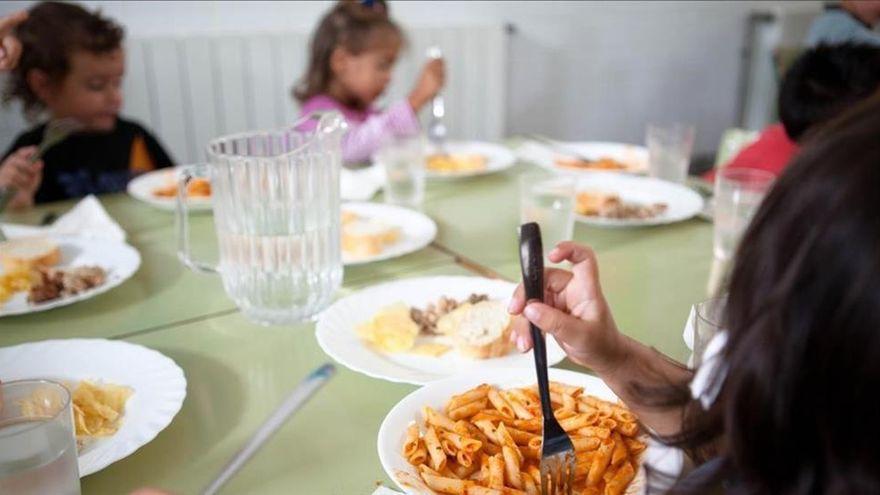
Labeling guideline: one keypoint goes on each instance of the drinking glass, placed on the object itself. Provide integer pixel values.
(738, 193)
(275, 196)
(37, 441)
(708, 317)
(403, 160)
(669, 151)
(549, 201)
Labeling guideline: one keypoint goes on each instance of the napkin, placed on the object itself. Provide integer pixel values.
(361, 184)
(690, 329)
(704, 387)
(87, 219)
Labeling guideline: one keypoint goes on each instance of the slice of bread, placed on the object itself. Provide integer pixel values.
(29, 251)
(480, 330)
(362, 238)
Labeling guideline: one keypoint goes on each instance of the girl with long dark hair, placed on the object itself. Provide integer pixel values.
(791, 403)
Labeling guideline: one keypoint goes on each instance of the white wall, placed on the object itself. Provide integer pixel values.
(577, 70)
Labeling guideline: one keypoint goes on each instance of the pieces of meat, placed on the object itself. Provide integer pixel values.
(55, 283)
(427, 318)
(620, 209)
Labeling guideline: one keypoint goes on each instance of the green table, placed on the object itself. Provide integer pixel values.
(237, 372)
(650, 275)
(163, 294)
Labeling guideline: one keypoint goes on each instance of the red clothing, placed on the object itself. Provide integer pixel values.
(771, 152)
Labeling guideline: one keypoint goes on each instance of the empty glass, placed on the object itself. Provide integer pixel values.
(549, 201)
(275, 196)
(708, 317)
(669, 151)
(37, 440)
(403, 160)
(738, 193)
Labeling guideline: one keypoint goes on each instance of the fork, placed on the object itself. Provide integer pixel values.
(436, 127)
(557, 451)
(56, 131)
(561, 148)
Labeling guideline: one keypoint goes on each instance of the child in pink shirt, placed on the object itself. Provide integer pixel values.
(351, 56)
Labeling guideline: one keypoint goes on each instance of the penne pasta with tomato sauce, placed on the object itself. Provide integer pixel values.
(488, 441)
(472, 395)
(467, 410)
(413, 447)
(500, 403)
(437, 419)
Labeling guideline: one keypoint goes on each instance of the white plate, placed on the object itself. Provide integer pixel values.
(118, 259)
(417, 230)
(12, 230)
(682, 202)
(158, 383)
(634, 156)
(337, 336)
(142, 187)
(498, 158)
(393, 429)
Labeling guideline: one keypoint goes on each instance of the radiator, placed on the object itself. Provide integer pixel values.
(194, 88)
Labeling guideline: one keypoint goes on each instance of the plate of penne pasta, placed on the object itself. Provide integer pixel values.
(480, 434)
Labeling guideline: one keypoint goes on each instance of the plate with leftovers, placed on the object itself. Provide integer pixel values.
(38, 273)
(481, 432)
(123, 394)
(423, 329)
(613, 200)
(468, 159)
(587, 157)
(159, 189)
(375, 231)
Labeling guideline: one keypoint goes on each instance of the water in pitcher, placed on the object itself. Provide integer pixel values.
(270, 275)
(38, 457)
(275, 196)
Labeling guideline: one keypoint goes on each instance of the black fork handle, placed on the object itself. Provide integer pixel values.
(531, 258)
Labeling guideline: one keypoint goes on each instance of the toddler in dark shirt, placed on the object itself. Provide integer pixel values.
(71, 67)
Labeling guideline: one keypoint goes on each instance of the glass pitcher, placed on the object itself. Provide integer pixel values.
(275, 197)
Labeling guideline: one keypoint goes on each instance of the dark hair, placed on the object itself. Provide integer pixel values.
(51, 33)
(796, 414)
(825, 81)
(351, 25)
